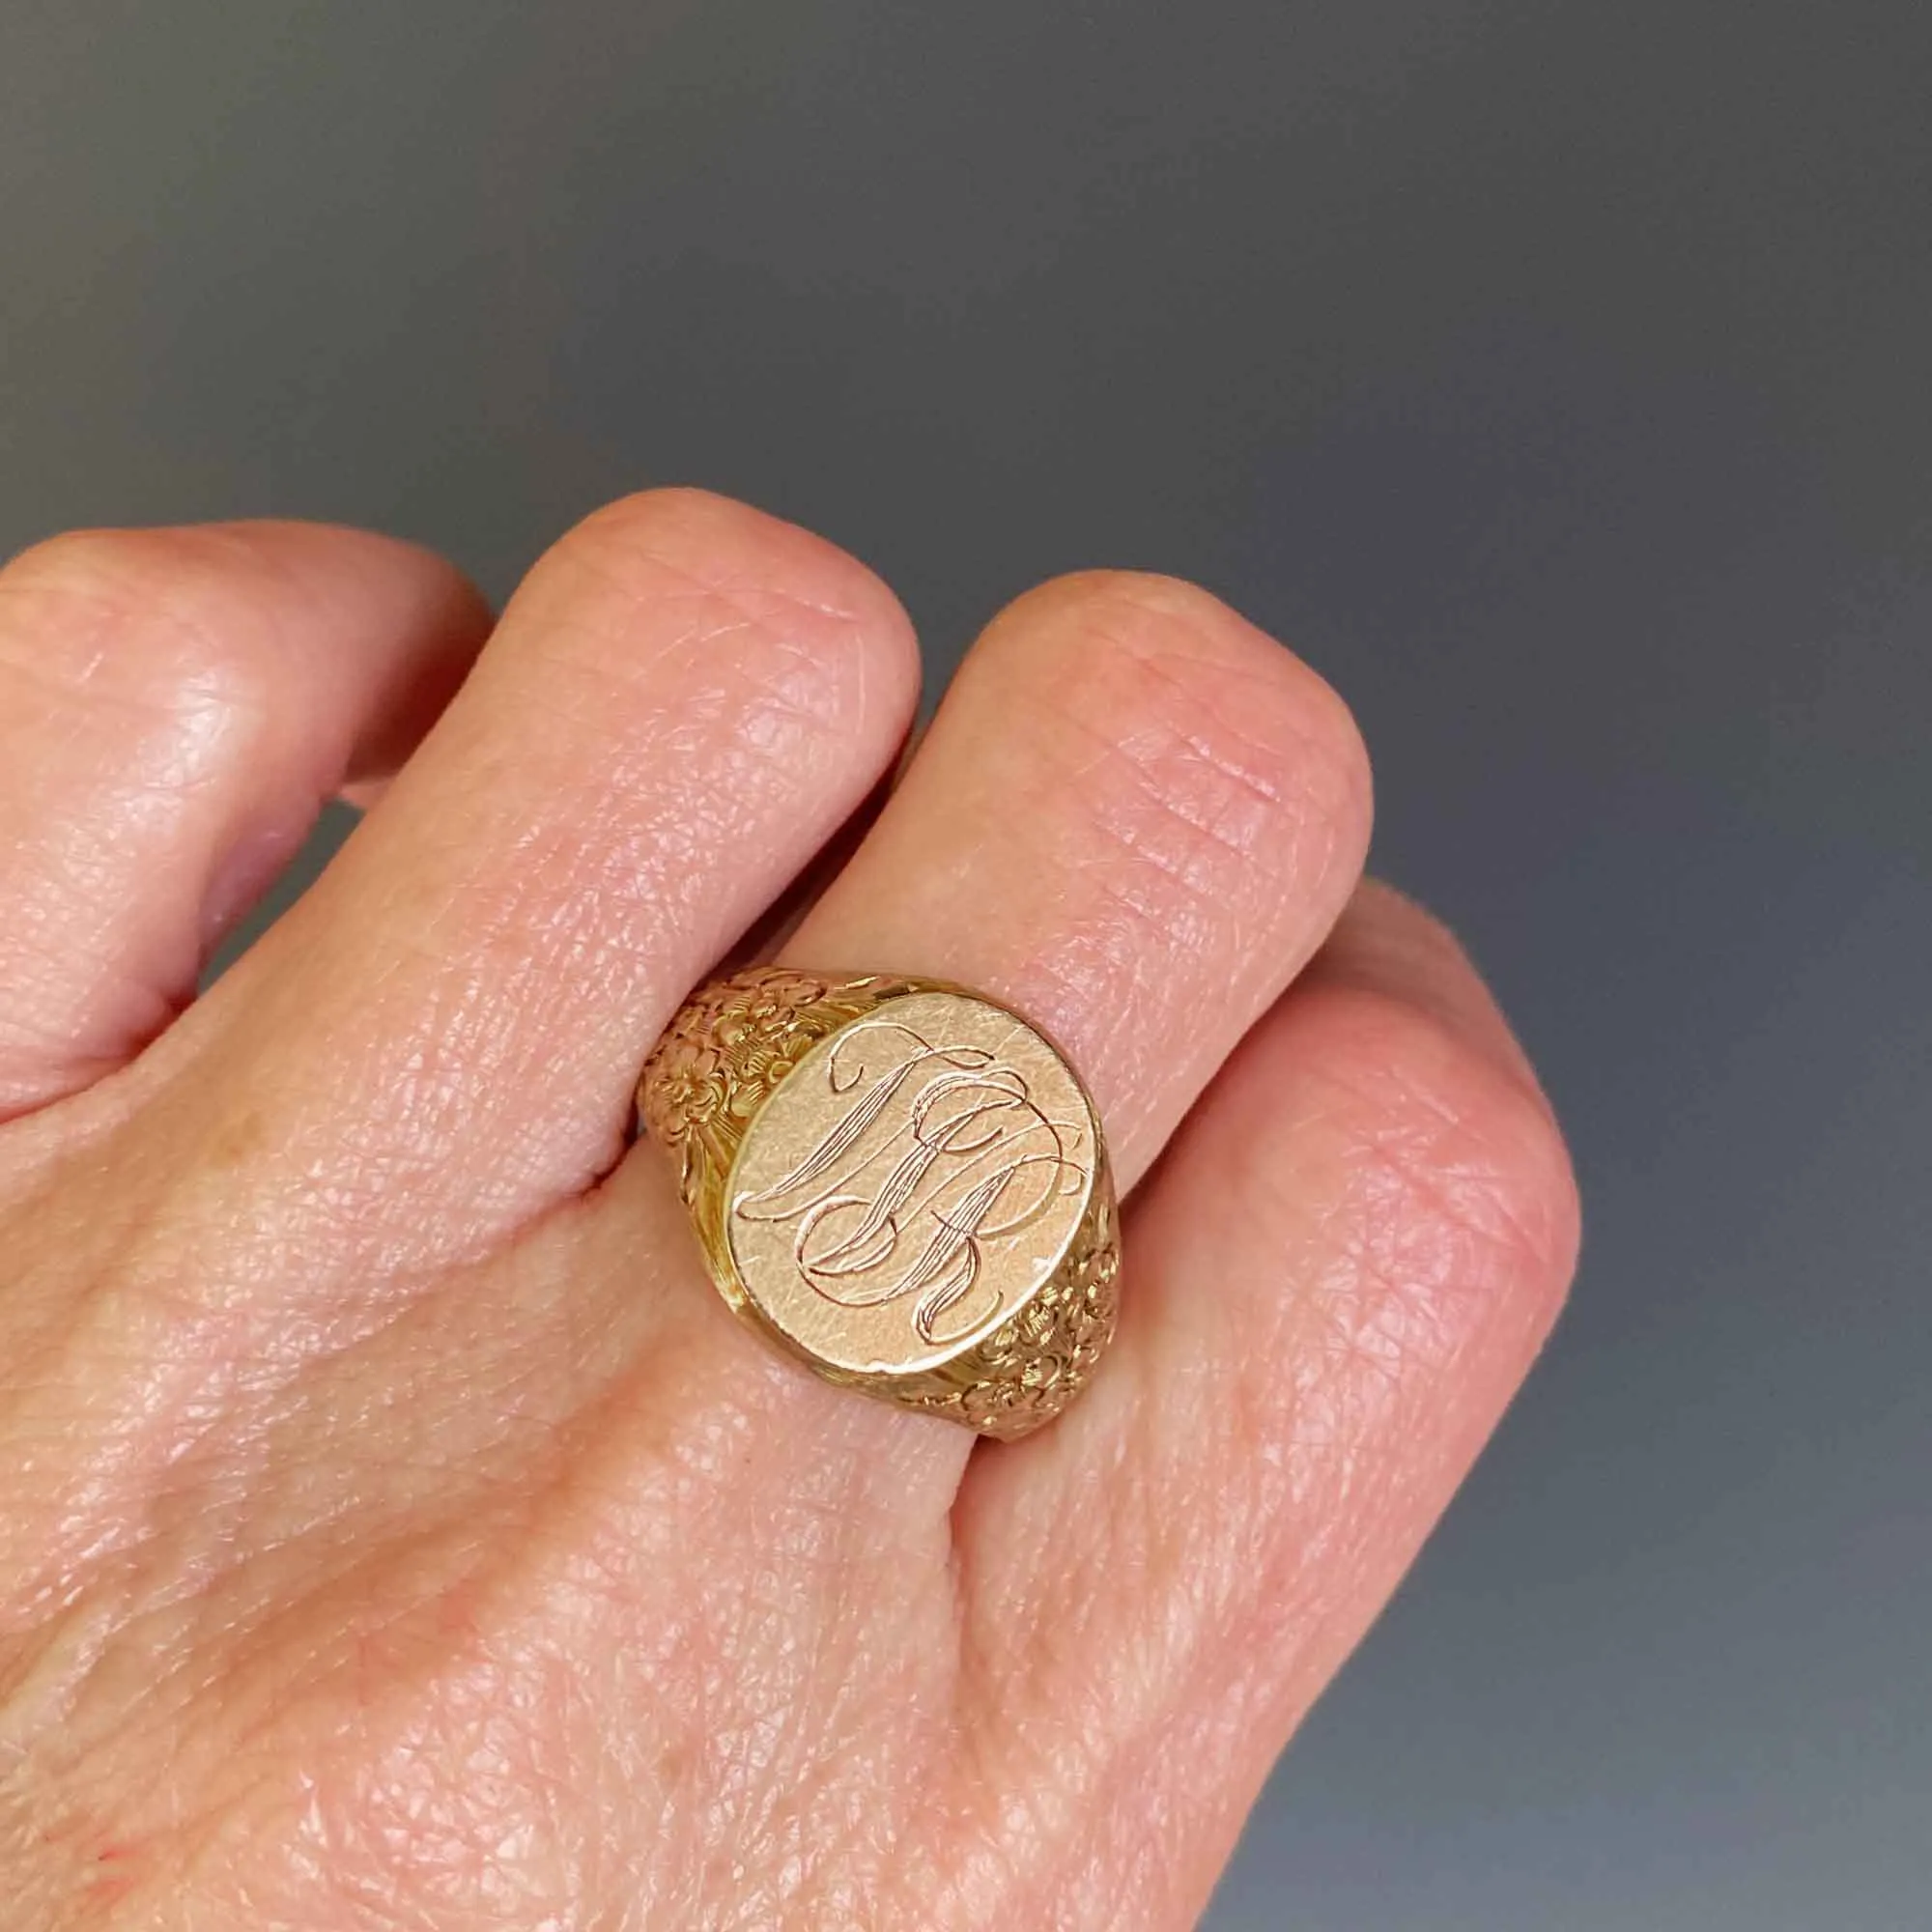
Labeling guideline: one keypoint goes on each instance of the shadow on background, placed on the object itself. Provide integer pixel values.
(1555, 377)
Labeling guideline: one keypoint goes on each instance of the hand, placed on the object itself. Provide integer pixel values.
(396, 1528)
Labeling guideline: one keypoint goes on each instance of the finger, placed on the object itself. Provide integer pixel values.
(174, 707)
(680, 704)
(1343, 1268)
(1134, 819)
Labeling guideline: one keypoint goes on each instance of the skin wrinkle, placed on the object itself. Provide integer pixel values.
(228, 592)
(1105, 1817)
(1458, 1133)
(1157, 753)
(73, 878)
(1166, 787)
(1186, 930)
(206, 719)
(214, 1414)
(215, 1379)
(637, 537)
(1158, 620)
(208, 675)
(756, 619)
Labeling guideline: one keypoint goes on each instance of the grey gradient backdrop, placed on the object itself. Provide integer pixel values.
(1554, 375)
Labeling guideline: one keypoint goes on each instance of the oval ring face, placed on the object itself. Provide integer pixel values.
(910, 1184)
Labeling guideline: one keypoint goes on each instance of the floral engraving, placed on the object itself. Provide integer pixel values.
(724, 1055)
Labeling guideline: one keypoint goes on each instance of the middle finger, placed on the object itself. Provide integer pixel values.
(681, 703)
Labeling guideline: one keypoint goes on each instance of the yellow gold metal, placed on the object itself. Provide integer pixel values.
(898, 1181)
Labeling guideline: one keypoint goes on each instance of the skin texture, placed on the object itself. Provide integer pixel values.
(398, 1533)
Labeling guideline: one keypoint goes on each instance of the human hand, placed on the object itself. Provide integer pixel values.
(398, 1531)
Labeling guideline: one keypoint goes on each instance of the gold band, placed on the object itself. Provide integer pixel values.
(900, 1184)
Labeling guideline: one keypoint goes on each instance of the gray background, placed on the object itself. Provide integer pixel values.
(1554, 375)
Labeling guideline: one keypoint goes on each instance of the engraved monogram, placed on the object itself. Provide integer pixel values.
(898, 1181)
(936, 1153)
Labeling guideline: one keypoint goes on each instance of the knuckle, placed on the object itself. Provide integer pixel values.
(1187, 736)
(159, 625)
(659, 541)
(631, 543)
(1459, 1168)
(757, 604)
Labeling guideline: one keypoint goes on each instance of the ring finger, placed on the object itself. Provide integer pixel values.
(1134, 819)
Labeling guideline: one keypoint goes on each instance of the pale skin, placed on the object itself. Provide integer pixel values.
(395, 1529)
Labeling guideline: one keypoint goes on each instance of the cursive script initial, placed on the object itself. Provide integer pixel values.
(938, 1151)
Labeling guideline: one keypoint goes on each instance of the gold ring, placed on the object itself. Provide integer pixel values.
(899, 1182)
